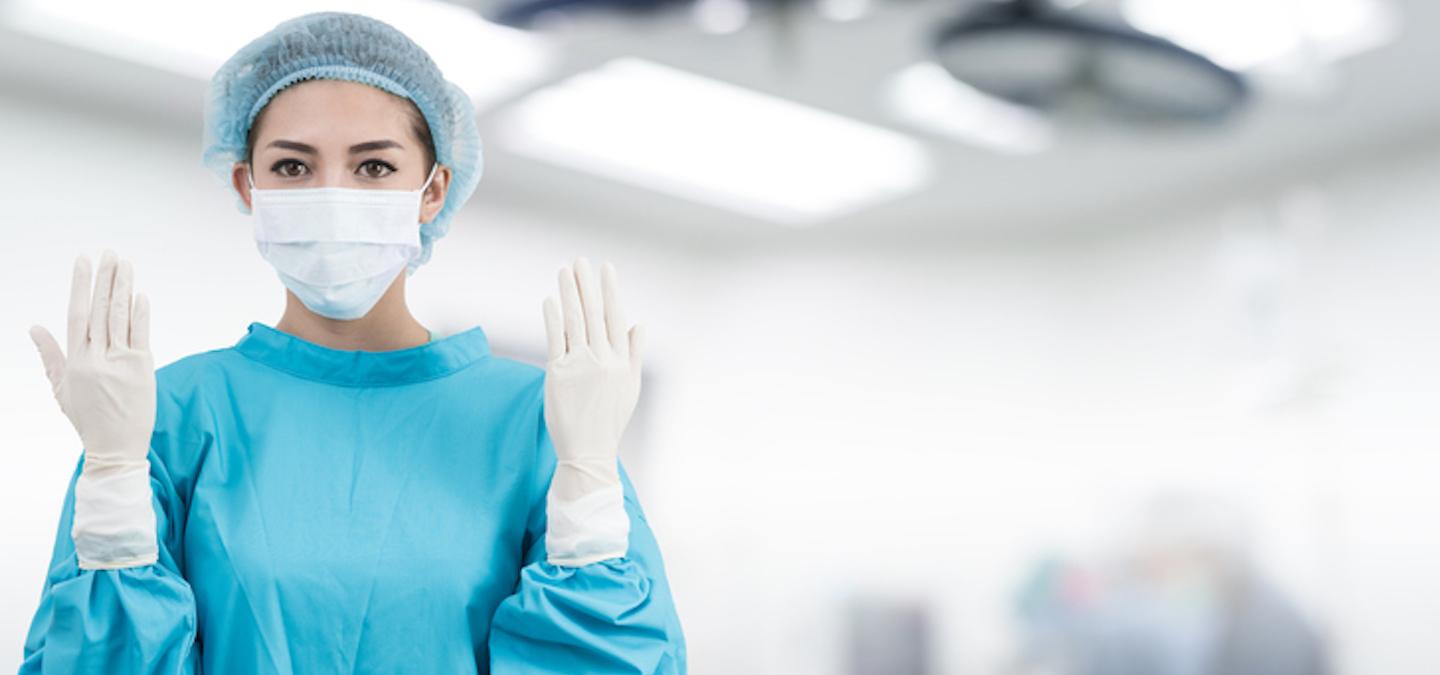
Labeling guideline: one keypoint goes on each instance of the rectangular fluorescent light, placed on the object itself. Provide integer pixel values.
(490, 62)
(713, 142)
(925, 95)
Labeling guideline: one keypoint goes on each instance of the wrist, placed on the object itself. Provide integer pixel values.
(101, 459)
(114, 523)
(574, 479)
(600, 466)
(589, 528)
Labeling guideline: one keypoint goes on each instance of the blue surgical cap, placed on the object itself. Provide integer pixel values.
(343, 46)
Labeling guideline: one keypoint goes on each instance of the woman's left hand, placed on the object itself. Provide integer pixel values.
(592, 378)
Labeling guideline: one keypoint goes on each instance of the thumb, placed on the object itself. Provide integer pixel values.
(50, 355)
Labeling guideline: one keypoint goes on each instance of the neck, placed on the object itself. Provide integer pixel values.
(388, 326)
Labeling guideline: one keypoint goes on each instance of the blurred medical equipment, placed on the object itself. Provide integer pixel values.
(1029, 53)
(357, 48)
(105, 383)
(889, 636)
(1183, 598)
(592, 384)
(1268, 259)
(338, 249)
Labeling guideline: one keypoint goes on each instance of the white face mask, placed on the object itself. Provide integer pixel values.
(338, 249)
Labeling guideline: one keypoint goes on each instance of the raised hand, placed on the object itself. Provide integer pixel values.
(105, 384)
(592, 383)
(105, 380)
(593, 373)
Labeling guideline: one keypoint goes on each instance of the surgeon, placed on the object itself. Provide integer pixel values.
(344, 492)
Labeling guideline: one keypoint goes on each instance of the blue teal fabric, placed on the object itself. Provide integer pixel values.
(343, 46)
(328, 511)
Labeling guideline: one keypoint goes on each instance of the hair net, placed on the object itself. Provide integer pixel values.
(343, 46)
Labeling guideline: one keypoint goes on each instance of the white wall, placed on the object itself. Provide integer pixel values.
(924, 422)
(829, 418)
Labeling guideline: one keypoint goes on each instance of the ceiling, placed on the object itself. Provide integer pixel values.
(1091, 178)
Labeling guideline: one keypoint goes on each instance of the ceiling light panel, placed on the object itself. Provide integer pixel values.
(713, 142)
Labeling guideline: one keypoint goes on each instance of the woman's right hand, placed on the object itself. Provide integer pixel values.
(105, 380)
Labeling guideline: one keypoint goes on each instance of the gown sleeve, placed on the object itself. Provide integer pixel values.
(611, 616)
(121, 621)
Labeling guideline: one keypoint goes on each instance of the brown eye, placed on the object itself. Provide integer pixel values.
(282, 167)
(369, 168)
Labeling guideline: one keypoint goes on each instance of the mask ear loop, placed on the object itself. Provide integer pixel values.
(431, 177)
(433, 167)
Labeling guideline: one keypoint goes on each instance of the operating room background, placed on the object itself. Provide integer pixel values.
(904, 406)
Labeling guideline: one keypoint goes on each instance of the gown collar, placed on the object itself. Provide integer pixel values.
(302, 358)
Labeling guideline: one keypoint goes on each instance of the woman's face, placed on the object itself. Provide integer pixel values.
(335, 133)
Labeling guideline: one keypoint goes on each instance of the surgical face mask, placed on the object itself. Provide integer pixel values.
(338, 249)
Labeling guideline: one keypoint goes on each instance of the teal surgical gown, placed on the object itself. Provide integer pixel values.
(329, 511)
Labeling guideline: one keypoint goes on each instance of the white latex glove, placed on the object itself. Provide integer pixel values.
(592, 382)
(105, 384)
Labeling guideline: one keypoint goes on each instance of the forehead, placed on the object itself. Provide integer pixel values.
(320, 111)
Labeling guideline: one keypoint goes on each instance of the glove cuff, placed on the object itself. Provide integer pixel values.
(114, 524)
(585, 527)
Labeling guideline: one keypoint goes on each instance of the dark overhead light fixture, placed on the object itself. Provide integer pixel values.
(1030, 53)
(526, 13)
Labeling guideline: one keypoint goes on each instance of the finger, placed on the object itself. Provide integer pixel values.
(614, 317)
(50, 355)
(100, 302)
(140, 323)
(592, 304)
(570, 311)
(554, 330)
(78, 319)
(120, 305)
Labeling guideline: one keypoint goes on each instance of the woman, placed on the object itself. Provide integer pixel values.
(343, 492)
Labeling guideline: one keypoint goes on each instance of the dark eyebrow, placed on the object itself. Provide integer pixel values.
(354, 149)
